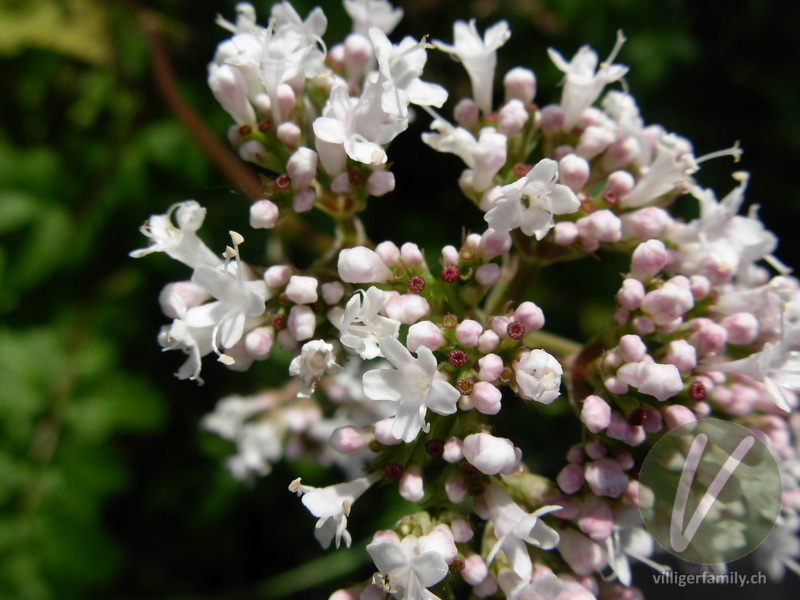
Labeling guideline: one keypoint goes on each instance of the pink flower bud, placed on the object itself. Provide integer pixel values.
(456, 488)
(676, 415)
(742, 328)
(286, 100)
(380, 183)
(332, 292)
(424, 333)
(594, 140)
(520, 83)
(488, 274)
(511, 118)
(595, 413)
(466, 113)
(648, 259)
(453, 451)
(605, 477)
(388, 252)
(631, 294)
(263, 214)
(595, 519)
(620, 153)
(301, 322)
(490, 366)
(462, 532)
(350, 439)
(632, 348)
(253, 151)
(618, 184)
(581, 554)
(486, 588)
(700, 287)
(468, 332)
(229, 87)
(576, 454)
(406, 308)
(530, 315)
(302, 289)
(595, 449)
(565, 233)
(563, 150)
(602, 226)
(362, 265)
(411, 255)
(653, 379)
(643, 325)
(667, 303)
(499, 325)
(302, 167)
(357, 54)
(289, 134)
(488, 341)
(383, 432)
(494, 243)
(341, 184)
(615, 386)
(486, 398)
(646, 223)
(552, 119)
(573, 171)
(410, 485)
(258, 342)
(709, 338)
(348, 594)
(490, 455)
(620, 429)
(681, 354)
(475, 570)
(570, 479)
(277, 276)
(180, 295)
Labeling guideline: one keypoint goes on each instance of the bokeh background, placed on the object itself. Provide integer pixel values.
(108, 486)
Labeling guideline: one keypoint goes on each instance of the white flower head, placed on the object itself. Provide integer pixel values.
(479, 56)
(367, 14)
(413, 384)
(672, 167)
(315, 359)
(409, 568)
(530, 202)
(538, 376)
(361, 326)
(583, 82)
(193, 341)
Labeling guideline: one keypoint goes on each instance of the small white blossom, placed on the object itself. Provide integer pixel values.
(315, 359)
(672, 167)
(409, 567)
(538, 375)
(367, 14)
(361, 326)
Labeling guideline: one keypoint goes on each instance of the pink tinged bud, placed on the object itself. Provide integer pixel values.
(453, 451)
(388, 252)
(499, 325)
(700, 287)
(595, 519)
(302, 322)
(571, 478)
(362, 265)
(341, 184)
(180, 295)
(383, 432)
(511, 118)
(653, 379)
(602, 226)
(530, 315)
(466, 113)
(643, 325)
(462, 532)
(253, 151)
(582, 554)
(286, 99)
(575, 454)
(621, 153)
(410, 486)
(380, 183)
(424, 333)
(302, 289)
(229, 87)
(486, 398)
(332, 292)
(742, 328)
(565, 233)
(681, 354)
(594, 140)
(456, 488)
(303, 201)
(573, 171)
(289, 134)
(286, 340)
(709, 338)
(561, 151)
(520, 83)
(488, 341)
(350, 439)
(552, 119)
(490, 455)
(606, 478)
(411, 255)
(263, 214)
(615, 386)
(488, 274)
(407, 308)
(676, 415)
(487, 588)
(618, 184)
(648, 259)
(595, 449)
(646, 223)
(349, 594)
(667, 303)
(277, 276)
(258, 342)
(595, 413)
(475, 570)
(468, 332)
(620, 429)
(631, 294)
(494, 243)
(632, 348)
(491, 366)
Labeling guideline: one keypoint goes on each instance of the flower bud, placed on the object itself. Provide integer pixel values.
(595, 413)
(581, 554)
(494, 243)
(570, 479)
(490, 455)
(681, 354)
(380, 183)
(263, 214)
(667, 303)
(332, 292)
(277, 276)
(742, 328)
(573, 171)
(258, 342)
(229, 87)
(594, 140)
(488, 274)
(462, 532)
(253, 151)
(302, 289)
(620, 153)
(178, 296)
(303, 201)
(289, 134)
(565, 233)
(383, 432)
(618, 184)
(530, 315)
(388, 252)
(605, 477)
(475, 570)
(406, 308)
(424, 333)
(646, 223)
(455, 488)
(486, 398)
(411, 487)
(676, 415)
(653, 379)
(552, 119)
(453, 451)
(632, 348)
(595, 519)
(362, 265)
(602, 226)
(411, 255)
(349, 439)
(620, 429)
(466, 113)
(301, 322)
(488, 341)
(648, 259)
(511, 118)
(631, 294)
(490, 366)
(520, 83)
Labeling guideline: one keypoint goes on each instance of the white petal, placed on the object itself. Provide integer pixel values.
(442, 398)
(430, 568)
(330, 130)
(383, 384)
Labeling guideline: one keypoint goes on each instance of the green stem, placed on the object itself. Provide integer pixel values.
(553, 343)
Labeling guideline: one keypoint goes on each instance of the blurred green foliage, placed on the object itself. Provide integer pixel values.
(107, 487)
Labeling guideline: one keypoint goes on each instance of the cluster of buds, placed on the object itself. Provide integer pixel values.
(401, 360)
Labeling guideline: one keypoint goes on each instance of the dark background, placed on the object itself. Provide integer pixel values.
(108, 488)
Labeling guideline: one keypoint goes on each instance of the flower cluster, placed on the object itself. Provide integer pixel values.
(401, 358)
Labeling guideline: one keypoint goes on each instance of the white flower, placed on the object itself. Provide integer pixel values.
(245, 19)
(291, 29)
(671, 167)
(362, 265)
(629, 539)
(332, 506)
(258, 445)
(193, 341)
(514, 528)
(414, 386)
(400, 68)
(409, 567)
(367, 14)
(361, 326)
(582, 85)
(538, 375)
(654, 379)
(315, 359)
(181, 242)
(530, 202)
(479, 56)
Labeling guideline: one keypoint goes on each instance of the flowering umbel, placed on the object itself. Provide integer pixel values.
(405, 365)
